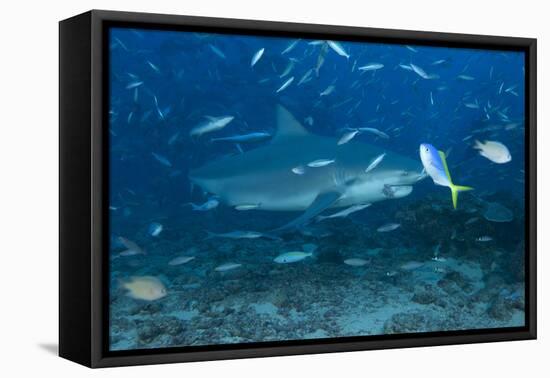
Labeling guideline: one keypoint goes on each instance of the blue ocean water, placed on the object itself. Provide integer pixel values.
(266, 189)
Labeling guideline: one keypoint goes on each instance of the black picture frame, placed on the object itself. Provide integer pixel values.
(83, 228)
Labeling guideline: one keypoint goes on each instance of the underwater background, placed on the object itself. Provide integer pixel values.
(188, 267)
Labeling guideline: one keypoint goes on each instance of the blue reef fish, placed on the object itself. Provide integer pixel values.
(435, 164)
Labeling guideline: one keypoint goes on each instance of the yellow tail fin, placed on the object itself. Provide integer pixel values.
(454, 192)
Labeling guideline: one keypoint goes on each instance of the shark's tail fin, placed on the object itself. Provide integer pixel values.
(454, 192)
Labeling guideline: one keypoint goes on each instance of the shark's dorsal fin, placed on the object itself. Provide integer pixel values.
(287, 125)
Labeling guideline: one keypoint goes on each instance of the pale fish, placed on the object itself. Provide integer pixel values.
(484, 238)
(494, 151)
(388, 227)
(328, 90)
(227, 266)
(132, 248)
(321, 58)
(161, 159)
(305, 77)
(250, 137)
(216, 51)
(291, 257)
(374, 131)
(347, 137)
(210, 204)
(290, 46)
(153, 67)
(299, 170)
(240, 235)
(245, 207)
(356, 262)
(374, 163)
(212, 124)
(466, 77)
(134, 84)
(256, 57)
(285, 85)
(173, 138)
(288, 68)
(155, 229)
(180, 260)
(344, 213)
(371, 67)
(337, 47)
(411, 265)
(320, 163)
(419, 71)
(147, 288)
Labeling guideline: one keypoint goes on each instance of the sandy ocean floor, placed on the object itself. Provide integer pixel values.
(400, 290)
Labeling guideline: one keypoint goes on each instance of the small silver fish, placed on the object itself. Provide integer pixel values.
(180, 260)
(155, 229)
(347, 137)
(388, 227)
(256, 57)
(227, 266)
(134, 84)
(337, 47)
(374, 163)
(327, 91)
(299, 170)
(291, 257)
(320, 163)
(246, 207)
(371, 67)
(374, 131)
(344, 213)
(484, 239)
(161, 159)
(411, 265)
(356, 262)
(285, 85)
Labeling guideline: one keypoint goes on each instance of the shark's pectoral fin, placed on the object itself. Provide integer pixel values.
(321, 202)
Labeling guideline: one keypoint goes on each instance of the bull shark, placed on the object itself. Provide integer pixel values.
(264, 176)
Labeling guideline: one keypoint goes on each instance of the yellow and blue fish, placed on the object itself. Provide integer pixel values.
(435, 164)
